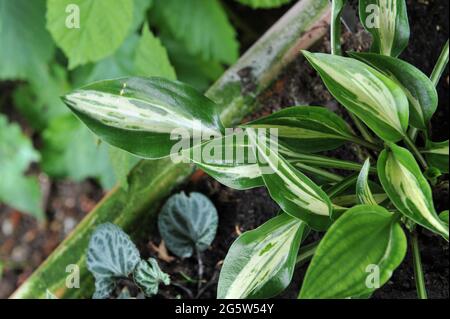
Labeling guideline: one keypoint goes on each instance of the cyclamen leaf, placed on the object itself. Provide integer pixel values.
(374, 98)
(296, 194)
(261, 262)
(264, 4)
(437, 154)
(103, 26)
(408, 189)
(363, 191)
(365, 244)
(306, 128)
(140, 115)
(188, 223)
(418, 88)
(111, 254)
(387, 21)
(148, 276)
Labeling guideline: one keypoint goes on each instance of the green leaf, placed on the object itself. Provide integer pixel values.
(418, 88)
(357, 255)
(437, 154)
(148, 276)
(151, 57)
(408, 189)
(122, 163)
(387, 21)
(139, 13)
(50, 295)
(16, 154)
(111, 253)
(188, 223)
(374, 98)
(145, 116)
(444, 216)
(103, 26)
(296, 194)
(26, 44)
(264, 4)
(306, 128)
(201, 25)
(261, 262)
(363, 191)
(335, 33)
(352, 200)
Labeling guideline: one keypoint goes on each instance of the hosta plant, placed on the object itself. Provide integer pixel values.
(365, 215)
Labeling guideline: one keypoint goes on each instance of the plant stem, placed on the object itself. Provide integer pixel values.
(306, 253)
(200, 269)
(416, 152)
(418, 270)
(412, 133)
(440, 65)
(320, 172)
(366, 143)
(335, 27)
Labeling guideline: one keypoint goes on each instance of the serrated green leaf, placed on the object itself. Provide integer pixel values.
(264, 4)
(103, 26)
(111, 254)
(306, 128)
(418, 88)
(261, 262)
(296, 194)
(437, 154)
(363, 191)
(25, 43)
(387, 21)
(357, 255)
(188, 223)
(148, 276)
(201, 25)
(408, 189)
(16, 154)
(374, 98)
(144, 115)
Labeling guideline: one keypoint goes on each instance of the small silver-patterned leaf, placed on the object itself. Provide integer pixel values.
(103, 287)
(148, 276)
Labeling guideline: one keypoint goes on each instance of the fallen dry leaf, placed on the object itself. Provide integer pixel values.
(161, 251)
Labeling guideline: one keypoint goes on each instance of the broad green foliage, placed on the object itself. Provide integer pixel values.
(25, 43)
(437, 155)
(261, 262)
(363, 191)
(420, 91)
(408, 189)
(264, 4)
(374, 98)
(357, 255)
(307, 128)
(188, 224)
(444, 217)
(140, 114)
(387, 21)
(103, 26)
(148, 276)
(16, 154)
(201, 25)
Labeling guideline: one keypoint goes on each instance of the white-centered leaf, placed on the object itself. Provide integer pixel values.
(363, 191)
(261, 262)
(437, 155)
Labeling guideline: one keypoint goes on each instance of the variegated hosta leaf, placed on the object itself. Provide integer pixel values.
(296, 194)
(335, 33)
(363, 191)
(387, 21)
(145, 116)
(444, 216)
(111, 253)
(357, 255)
(103, 287)
(373, 97)
(230, 160)
(148, 276)
(408, 189)
(307, 128)
(420, 91)
(188, 223)
(437, 155)
(260, 263)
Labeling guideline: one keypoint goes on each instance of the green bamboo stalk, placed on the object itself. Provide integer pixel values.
(152, 181)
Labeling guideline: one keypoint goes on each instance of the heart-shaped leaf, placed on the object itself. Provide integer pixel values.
(145, 116)
(420, 91)
(188, 223)
(103, 287)
(357, 255)
(387, 21)
(260, 263)
(377, 100)
(408, 189)
(307, 128)
(437, 154)
(148, 276)
(111, 253)
(363, 191)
